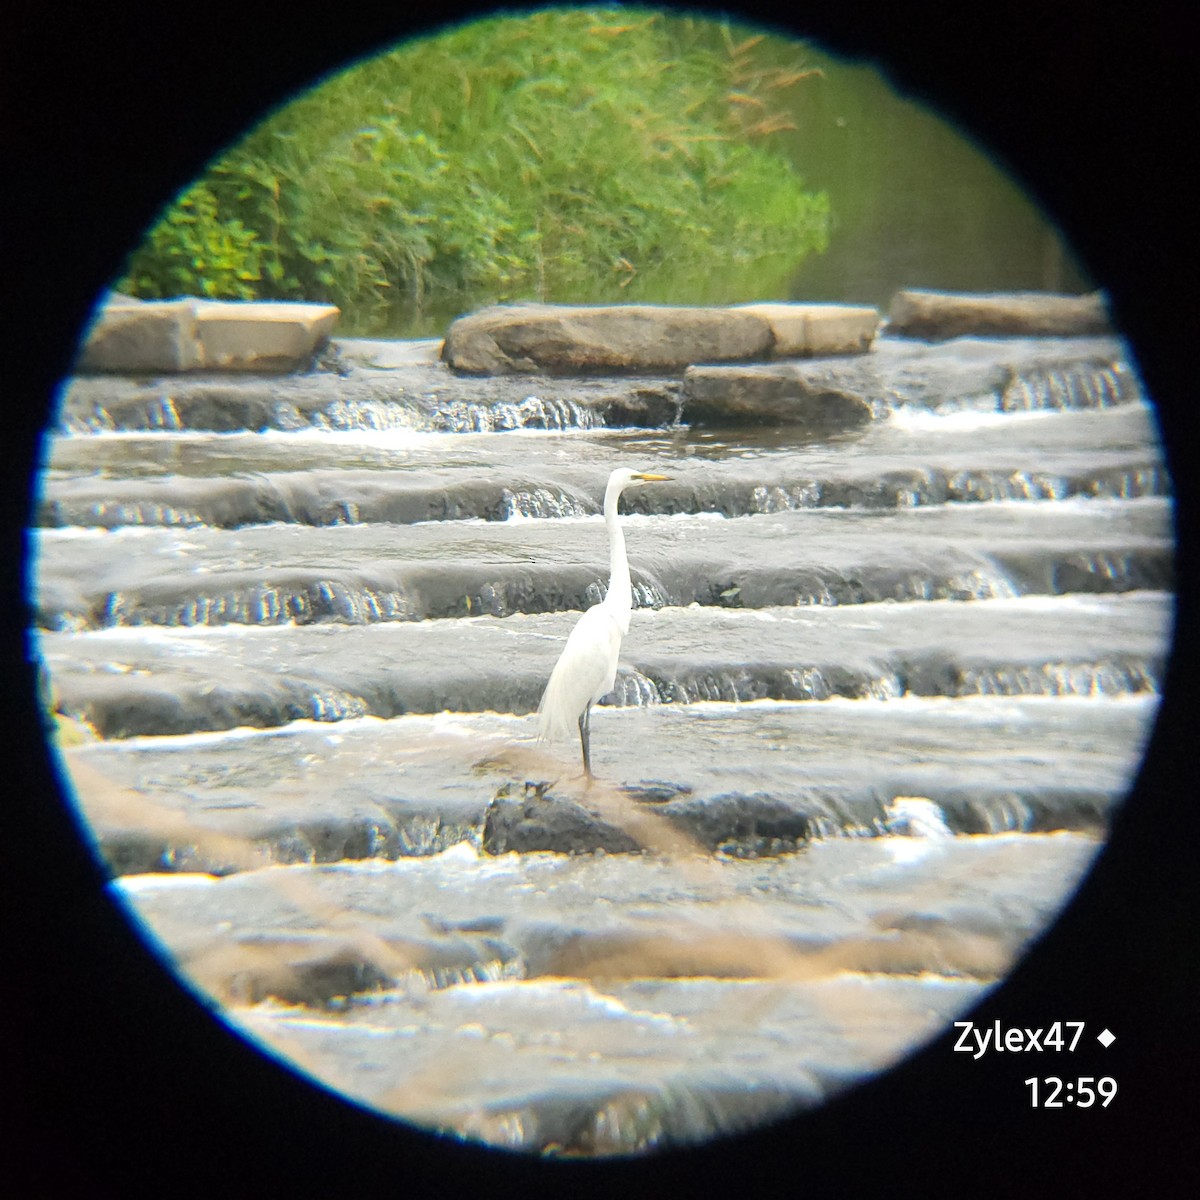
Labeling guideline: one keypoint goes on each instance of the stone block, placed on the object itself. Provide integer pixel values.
(564, 339)
(136, 337)
(936, 316)
(810, 330)
(272, 336)
(648, 338)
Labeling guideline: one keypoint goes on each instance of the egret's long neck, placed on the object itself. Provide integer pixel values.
(620, 589)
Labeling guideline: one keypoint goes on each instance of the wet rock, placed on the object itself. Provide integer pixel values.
(179, 829)
(535, 821)
(626, 1086)
(770, 394)
(1142, 566)
(1014, 374)
(314, 970)
(968, 941)
(533, 569)
(741, 825)
(321, 969)
(315, 497)
(143, 337)
(179, 402)
(937, 316)
(563, 338)
(185, 847)
(656, 791)
(648, 405)
(343, 395)
(1091, 381)
(664, 948)
(691, 1109)
(1026, 810)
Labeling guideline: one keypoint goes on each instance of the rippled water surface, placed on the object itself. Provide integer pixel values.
(881, 696)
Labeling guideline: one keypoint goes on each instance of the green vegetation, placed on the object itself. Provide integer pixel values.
(568, 155)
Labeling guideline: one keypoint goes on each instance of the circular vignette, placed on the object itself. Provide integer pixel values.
(119, 109)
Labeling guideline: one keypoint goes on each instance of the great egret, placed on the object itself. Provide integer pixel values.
(587, 668)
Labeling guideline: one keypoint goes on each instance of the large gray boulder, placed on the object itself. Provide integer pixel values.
(648, 338)
(935, 316)
(134, 337)
(770, 394)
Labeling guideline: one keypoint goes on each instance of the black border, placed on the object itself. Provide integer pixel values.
(119, 1081)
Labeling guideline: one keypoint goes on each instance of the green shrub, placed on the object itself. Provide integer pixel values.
(194, 250)
(567, 155)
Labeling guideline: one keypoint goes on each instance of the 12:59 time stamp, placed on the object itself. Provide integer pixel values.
(1083, 1092)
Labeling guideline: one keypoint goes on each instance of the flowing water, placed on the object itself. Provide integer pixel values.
(880, 696)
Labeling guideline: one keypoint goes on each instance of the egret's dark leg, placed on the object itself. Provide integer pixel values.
(585, 739)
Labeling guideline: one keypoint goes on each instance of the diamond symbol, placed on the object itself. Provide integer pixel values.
(1106, 1039)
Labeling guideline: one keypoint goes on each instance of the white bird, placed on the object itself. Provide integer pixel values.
(587, 668)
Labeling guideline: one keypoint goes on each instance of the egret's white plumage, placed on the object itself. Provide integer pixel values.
(587, 667)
